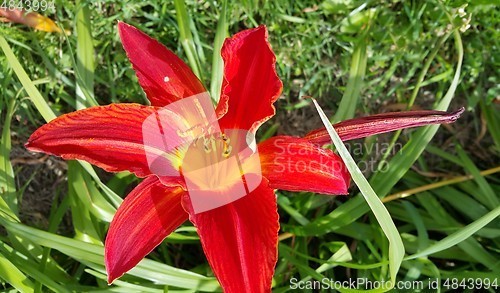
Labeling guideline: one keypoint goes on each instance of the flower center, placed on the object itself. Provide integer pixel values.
(220, 167)
(210, 163)
(185, 139)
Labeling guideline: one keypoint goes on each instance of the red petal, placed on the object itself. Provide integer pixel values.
(110, 137)
(240, 240)
(164, 77)
(250, 85)
(295, 164)
(381, 123)
(148, 215)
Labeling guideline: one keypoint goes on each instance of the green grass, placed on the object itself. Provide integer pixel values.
(355, 57)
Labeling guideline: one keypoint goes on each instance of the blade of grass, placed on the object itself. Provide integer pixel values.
(409, 192)
(30, 267)
(343, 254)
(28, 85)
(84, 64)
(459, 236)
(56, 216)
(111, 196)
(396, 248)
(29, 248)
(284, 203)
(82, 222)
(93, 255)
(19, 243)
(89, 195)
(351, 95)
(440, 215)
(12, 275)
(299, 262)
(49, 64)
(462, 202)
(452, 253)
(217, 63)
(443, 227)
(492, 122)
(200, 54)
(44, 109)
(7, 184)
(487, 196)
(423, 236)
(186, 37)
(125, 286)
(84, 57)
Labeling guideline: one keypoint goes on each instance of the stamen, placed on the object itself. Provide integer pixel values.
(227, 151)
(227, 148)
(214, 142)
(206, 145)
(212, 139)
(210, 129)
(200, 109)
(207, 148)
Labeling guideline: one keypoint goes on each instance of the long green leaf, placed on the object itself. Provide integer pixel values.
(352, 93)
(28, 85)
(12, 275)
(493, 121)
(7, 184)
(43, 107)
(89, 195)
(486, 195)
(84, 57)
(396, 248)
(80, 214)
(29, 267)
(459, 236)
(186, 37)
(217, 63)
(93, 255)
(440, 215)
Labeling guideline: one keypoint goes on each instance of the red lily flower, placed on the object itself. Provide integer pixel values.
(240, 237)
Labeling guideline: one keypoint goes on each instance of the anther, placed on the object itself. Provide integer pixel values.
(227, 151)
(206, 145)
